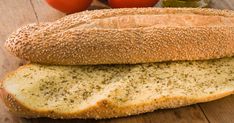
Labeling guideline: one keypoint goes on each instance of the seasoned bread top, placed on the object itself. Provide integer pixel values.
(127, 36)
(106, 91)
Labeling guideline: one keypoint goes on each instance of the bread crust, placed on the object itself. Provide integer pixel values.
(104, 109)
(101, 37)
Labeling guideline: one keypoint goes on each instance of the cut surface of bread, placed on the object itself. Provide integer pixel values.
(127, 36)
(107, 91)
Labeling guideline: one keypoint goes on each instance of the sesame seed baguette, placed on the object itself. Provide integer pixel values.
(108, 91)
(127, 36)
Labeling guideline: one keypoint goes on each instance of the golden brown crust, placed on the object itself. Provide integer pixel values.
(106, 109)
(91, 37)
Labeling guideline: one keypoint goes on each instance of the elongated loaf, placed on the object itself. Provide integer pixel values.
(127, 36)
(115, 90)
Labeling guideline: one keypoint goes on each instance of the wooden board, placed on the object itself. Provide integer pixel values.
(16, 13)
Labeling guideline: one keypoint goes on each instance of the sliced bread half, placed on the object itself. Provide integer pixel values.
(127, 36)
(108, 91)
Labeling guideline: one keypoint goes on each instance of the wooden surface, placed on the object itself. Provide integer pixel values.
(16, 13)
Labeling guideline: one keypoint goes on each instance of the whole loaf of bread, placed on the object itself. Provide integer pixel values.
(127, 36)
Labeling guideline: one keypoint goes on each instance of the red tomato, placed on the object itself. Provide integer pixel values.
(70, 6)
(131, 3)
